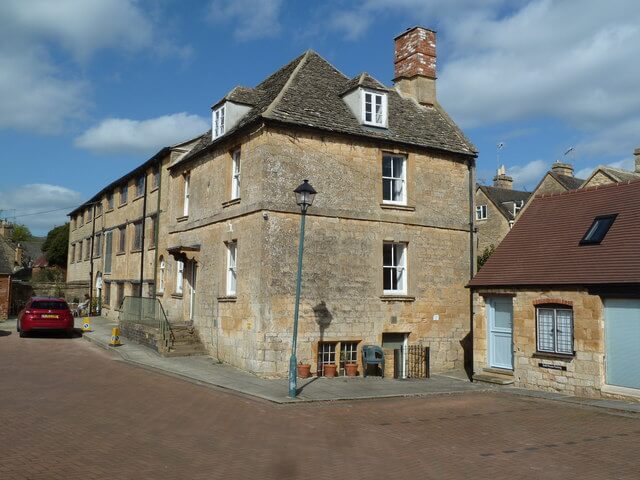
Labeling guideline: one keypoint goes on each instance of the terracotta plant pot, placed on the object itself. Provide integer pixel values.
(330, 370)
(304, 370)
(351, 369)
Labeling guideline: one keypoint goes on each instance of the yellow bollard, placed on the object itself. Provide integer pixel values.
(115, 337)
(86, 324)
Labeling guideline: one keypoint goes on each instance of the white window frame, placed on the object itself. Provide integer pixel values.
(235, 174)
(555, 330)
(185, 199)
(378, 119)
(219, 121)
(163, 266)
(393, 179)
(481, 212)
(326, 355)
(400, 268)
(179, 276)
(232, 270)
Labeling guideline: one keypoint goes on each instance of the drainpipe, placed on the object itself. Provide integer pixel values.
(144, 218)
(472, 252)
(156, 234)
(93, 236)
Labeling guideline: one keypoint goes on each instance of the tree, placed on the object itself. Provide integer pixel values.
(21, 233)
(56, 246)
(482, 259)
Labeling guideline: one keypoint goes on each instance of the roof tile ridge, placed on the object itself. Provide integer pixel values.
(589, 189)
(272, 106)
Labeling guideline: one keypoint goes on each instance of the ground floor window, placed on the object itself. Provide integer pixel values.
(107, 294)
(348, 354)
(326, 355)
(136, 290)
(555, 330)
(119, 294)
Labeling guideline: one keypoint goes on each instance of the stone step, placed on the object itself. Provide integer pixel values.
(493, 378)
(185, 351)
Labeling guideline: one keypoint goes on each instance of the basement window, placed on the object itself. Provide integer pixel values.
(598, 229)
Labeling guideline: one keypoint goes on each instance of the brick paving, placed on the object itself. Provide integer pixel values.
(69, 410)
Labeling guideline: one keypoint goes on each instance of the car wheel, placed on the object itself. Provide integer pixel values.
(23, 334)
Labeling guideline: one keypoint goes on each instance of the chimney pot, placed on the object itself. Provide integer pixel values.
(415, 64)
(562, 168)
(502, 180)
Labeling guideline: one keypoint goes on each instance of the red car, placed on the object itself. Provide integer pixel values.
(44, 313)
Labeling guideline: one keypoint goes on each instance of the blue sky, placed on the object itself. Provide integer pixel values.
(90, 89)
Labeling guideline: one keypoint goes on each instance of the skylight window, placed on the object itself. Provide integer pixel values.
(598, 229)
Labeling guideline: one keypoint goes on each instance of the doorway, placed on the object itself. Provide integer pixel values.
(397, 341)
(192, 288)
(500, 313)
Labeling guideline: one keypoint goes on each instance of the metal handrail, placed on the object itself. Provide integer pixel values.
(148, 312)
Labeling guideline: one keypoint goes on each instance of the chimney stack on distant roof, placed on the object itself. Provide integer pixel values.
(562, 168)
(502, 180)
(636, 153)
(415, 64)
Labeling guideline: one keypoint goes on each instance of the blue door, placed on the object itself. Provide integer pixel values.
(622, 342)
(500, 332)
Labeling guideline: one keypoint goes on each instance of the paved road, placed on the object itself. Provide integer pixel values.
(69, 410)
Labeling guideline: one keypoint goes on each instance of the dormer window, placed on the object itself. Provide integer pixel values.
(218, 126)
(374, 108)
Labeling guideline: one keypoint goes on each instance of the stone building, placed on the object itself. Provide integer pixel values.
(497, 208)
(7, 260)
(604, 175)
(388, 245)
(557, 306)
(116, 231)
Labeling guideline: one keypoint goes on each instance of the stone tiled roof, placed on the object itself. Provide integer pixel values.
(364, 80)
(307, 92)
(244, 95)
(501, 195)
(543, 247)
(7, 256)
(619, 175)
(567, 181)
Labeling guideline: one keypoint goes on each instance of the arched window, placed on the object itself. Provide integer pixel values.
(161, 275)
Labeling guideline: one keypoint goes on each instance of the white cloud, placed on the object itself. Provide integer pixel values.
(26, 200)
(35, 95)
(38, 37)
(253, 19)
(528, 175)
(122, 135)
(78, 26)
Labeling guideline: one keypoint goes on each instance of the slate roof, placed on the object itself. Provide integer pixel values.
(567, 181)
(307, 92)
(364, 80)
(543, 247)
(499, 195)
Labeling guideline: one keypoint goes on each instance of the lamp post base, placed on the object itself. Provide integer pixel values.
(293, 379)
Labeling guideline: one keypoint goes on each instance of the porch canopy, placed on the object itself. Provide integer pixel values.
(185, 253)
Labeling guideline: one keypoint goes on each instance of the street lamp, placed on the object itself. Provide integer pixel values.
(305, 194)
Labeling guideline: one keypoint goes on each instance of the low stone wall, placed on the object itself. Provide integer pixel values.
(141, 334)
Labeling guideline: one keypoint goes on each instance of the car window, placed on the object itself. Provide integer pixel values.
(49, 305)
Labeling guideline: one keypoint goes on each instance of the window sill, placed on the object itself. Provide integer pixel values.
(228, 203)
(227, 299)
(153, 189)
(161, 294)
(122, 205)
(176, 295)
(152, 247)
(394, 206)
(120, 253)
(397, 298)
(109, 210)
(553, 356)
(183, 218)
(137, 197)
(135, 250)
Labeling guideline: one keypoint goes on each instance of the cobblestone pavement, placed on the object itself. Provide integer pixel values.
(69, 410)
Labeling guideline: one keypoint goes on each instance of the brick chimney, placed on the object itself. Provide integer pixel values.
(19, 257)
(502, 180)
(562, 168)
(415, 64)
(6, 229)
(636, 153)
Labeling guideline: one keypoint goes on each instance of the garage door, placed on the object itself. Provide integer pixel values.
(622, 342)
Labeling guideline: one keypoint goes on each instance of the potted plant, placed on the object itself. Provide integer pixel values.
(304, 369)
(351, 369)
(330, 370)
